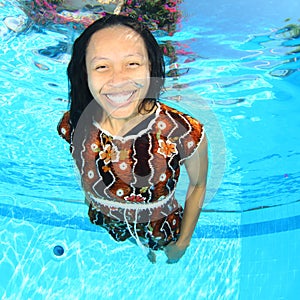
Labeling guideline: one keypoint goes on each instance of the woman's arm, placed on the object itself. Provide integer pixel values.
(196, 166)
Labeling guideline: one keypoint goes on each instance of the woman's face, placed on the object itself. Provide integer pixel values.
(118, 70)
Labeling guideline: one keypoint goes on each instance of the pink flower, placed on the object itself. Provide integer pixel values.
(170, 9)
(38, 2)
(183, 52)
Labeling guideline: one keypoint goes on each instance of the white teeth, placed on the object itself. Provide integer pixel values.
(119, 98)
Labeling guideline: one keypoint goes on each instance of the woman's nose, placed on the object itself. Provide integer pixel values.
(118, 76)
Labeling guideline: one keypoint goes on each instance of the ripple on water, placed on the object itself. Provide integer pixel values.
(235, 76)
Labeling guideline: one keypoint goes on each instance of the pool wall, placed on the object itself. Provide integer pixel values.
(270, 257)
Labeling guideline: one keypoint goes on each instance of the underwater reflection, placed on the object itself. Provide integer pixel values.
(278, 52)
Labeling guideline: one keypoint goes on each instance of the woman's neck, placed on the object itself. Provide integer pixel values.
(120, 126)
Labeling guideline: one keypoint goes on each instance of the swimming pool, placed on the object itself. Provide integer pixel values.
(239, 73)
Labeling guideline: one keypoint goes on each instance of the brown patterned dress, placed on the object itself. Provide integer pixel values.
(130, 180)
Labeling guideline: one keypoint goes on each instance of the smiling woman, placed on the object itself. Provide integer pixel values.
(128, 146)
(118, 72)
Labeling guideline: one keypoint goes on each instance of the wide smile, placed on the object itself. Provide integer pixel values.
(120, 99)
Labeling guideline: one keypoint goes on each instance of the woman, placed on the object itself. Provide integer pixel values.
(128, 146)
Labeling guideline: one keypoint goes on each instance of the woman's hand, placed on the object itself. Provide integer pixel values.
(174, 252)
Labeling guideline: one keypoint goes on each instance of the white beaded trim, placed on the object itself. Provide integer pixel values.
(110, 203)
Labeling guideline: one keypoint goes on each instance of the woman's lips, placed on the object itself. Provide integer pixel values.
(120, 99)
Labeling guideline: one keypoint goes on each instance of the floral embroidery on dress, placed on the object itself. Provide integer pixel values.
(91, 174)
(161, 125)
(166, 148)
(190, 144)
(135, 198)
(144, 189)
(95, 147)
(63, 131)
(124, 154)
(123, 166)
(105, 169)
(120, 193)
(109, 154)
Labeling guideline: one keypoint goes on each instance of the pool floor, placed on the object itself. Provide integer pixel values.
(251, 261)
(93, 266)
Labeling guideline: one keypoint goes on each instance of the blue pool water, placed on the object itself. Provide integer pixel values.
(239, 66)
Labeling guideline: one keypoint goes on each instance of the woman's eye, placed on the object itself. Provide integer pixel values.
(134, 64)
(101, 68)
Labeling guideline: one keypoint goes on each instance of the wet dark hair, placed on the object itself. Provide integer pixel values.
(79, 93)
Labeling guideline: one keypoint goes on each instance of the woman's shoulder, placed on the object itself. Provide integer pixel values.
(64, 127)
(186, 130)
(179, 116)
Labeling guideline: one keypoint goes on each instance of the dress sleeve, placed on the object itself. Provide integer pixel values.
(64, 127)
(192, 138)
(188, 133)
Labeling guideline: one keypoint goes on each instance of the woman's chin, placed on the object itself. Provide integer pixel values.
(123, 112)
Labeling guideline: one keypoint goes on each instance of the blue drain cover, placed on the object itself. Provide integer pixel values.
(58, 250)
